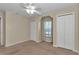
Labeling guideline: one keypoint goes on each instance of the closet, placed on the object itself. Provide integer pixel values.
(65, 31)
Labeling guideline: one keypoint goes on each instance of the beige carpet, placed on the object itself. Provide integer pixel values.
(33, 48)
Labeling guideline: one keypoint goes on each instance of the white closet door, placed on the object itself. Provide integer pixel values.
(69, 31)
(33, 31)
(60, 31)
(65, 31)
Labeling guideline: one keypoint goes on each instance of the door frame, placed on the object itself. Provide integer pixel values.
(2, 43)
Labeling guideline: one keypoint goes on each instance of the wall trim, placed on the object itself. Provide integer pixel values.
(72, 50)
(2, 32)
(76, 51)
(8, 45)
(55, 46)
(37, 41)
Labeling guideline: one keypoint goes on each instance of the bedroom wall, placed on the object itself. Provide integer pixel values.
(17, 28)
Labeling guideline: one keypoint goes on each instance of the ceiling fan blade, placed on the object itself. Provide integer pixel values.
(39, 9)
(37, 12)
(23, 5)
(30, 6)
(27, 5)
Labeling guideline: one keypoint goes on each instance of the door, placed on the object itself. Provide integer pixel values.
(65, 31)
(33, 31)
(60, 32)
(69, 31)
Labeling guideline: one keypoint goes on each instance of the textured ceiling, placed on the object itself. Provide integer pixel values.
(45, 7)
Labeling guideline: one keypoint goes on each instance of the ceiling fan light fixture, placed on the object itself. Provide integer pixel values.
(30, 8)
(32, 11)
(29, 11)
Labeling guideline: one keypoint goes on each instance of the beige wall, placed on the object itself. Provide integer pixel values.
(17, 28)
(64, 10)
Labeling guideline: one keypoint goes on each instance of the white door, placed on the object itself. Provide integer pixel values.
(65, 31)
(69, 31)
(33, 31)
(60, 32)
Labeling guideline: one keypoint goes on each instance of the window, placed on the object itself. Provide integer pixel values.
(47, 28)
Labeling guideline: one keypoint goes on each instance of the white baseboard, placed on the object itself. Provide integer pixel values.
(76, 51)
(37, 41)
(55, 46)
(47, 40)
(72, 50)
(7, 45)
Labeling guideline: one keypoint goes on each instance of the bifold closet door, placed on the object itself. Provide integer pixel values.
(60, 31)
(69, 31)
(65, 31)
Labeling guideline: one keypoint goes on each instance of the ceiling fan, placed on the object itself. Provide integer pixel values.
(30, 8)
